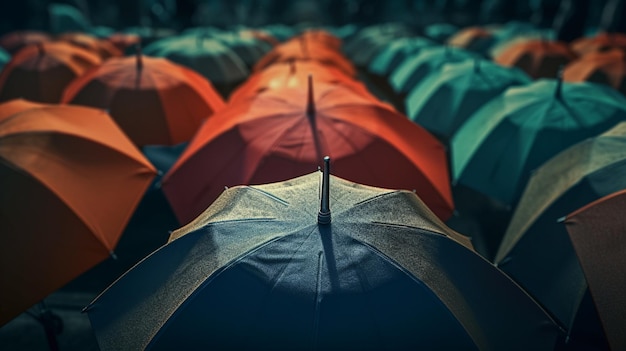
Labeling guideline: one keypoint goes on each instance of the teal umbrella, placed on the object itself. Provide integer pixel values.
(369, 41)
(443, 101)
(497, 148)
(536, 250)
(209, 57)
(395, 52)
(440, 32)
(5, 57)
(415, 68)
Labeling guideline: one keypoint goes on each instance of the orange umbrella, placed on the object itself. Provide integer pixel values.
(103, 48)
(70, 182)
(320, 36)
(154, 100)
(305, 50)
(599, 42)
(279, 135)
(597, 234)
(539, 58)
(608, 67)
(12, 107)
(41, 72)
(123, 41)
(12, 42)
(295, 74)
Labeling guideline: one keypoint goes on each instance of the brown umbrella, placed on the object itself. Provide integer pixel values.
(597, 233)
(606, 67)
(539, 58)
(41, 72)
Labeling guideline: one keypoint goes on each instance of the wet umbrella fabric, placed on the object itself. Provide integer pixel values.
(395, 52)
(607, 67)
(70, 182)
(497, 148)
(597, 234)
(442, 102)
(538, 58)
(282, 133)
(154, 100)
(41, 72)
(384, 274)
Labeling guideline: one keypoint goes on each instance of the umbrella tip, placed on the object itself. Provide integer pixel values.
(323, 216)
(310, 104)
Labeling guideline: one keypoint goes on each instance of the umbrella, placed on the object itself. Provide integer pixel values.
(71, 180)
(322, 37)
(123, 41)
(41, 72)
(5, 57)
(475, 39)
(154, 100)
(12, 42)
(209, 57)
(440, 32)
(497, 148)
(539, 58)
(602, 41)
(282, 133)
(442, 102)
(247, 47)
(396, 51)
(535, 250)
(379, 272)
(103, 48)
(295, 74)
(597, 234)
(607, 67)
(369, 41)
(11, 107)
(415, 68)
(300, 49)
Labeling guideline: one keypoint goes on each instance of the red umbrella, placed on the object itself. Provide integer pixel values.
(539, 58)
(295, 74)
(41, 72)
(279, 135)
(154, 100)
(597, 233)
(607, 67)
(12, 42)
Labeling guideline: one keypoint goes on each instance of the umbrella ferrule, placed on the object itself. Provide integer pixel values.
(323, 216)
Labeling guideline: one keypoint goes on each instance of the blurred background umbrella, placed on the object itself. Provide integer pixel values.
(153, 100)
(606, 67)
(209, 57)
(102, 48)
(539, 58)
(369, 41)
(41, 72)
(13, 41)
(442, 102)
(71, 180)
(475, 39)
(535, 250)
(602, 41)
(440, 32)
(283, 132)
(499, 145)
(597, 234)
(395, 52)
(383, 273)
(5, 57)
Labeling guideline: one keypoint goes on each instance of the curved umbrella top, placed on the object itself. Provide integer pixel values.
(11, 107)
(41, 72)
(497, 148)
(536, 242)
(597, 234)
(154, 100)
(321, 36)
(606, 67)
(372, 278)
(102, 48)
(442, 102)
(71, 180)
(16, 40)
(209, 57)
(396, 51)
(602, 41)
(415, 68)
(284, 133)
(247, 47)
(539, 58)
(363, 47)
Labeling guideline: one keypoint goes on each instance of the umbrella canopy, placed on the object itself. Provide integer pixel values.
(395, 52)
(440, 32)
(103, 48)
(5, 57)
(597, 233)
(209, 57)
(475, 39)
(369, 41)
(607, 67)
(12, 42)
(41, 72)
(442, 102)
(602, 41)
(295, 74)
(497, 148)
(283, 133)
(154, 100)
(301, 49)
(535, 250)
(539, 58)
(123, 41)
(384, 273)
(323, 37)
(247, 47)
(416, 67)
(70, 182)
(11, 107)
